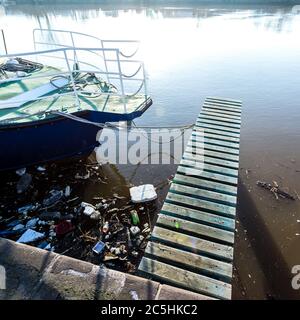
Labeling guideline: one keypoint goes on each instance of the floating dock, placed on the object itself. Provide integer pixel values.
(192, 242)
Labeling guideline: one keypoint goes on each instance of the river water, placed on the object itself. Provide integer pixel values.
(190, 52)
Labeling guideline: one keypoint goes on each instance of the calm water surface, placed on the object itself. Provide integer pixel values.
(247, 53)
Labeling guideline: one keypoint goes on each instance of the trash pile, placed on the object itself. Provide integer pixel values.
(45, 208)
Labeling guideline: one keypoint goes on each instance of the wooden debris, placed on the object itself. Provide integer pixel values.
(275, 190)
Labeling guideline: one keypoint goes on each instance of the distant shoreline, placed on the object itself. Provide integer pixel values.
(153, 2)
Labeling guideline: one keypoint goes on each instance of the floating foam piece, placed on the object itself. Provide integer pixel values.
(143, 193)
(30, 236)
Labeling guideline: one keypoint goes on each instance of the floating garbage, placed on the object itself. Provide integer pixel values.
(47, 217)
(52, 234)
(67, 191)
(146, 230)
(88, 209)
(96, 215)
(7, 233)
(99, 247)
(143, 193)
(83, 177)
(13, 223)
(30, 236)
(67, 217)
(116, 227)
(134, 217)
(275, 190)
(21, 171)
(110, 256)
(63, 227)
(55, 196)
(129, 239)
(48, 247)
(19, 226)
(105, 227)
(85, 204)
(43, 245)
(140, 240)
(31, 224)
(134, 253)
(135, 230)
(27, 208)
(24, 183)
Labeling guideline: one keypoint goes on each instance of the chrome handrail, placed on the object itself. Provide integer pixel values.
(103, 42)
(72, 33)
(117, 75)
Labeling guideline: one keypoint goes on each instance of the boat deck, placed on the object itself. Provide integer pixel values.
(192, 242)
(33, 111)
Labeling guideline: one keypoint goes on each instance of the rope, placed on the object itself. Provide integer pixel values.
(182, 130)
(98, 124)
(129, 56)
(58, 77)
(185, 127)
(138, 90)
(113, 126)
(82, 120)
(134, 74)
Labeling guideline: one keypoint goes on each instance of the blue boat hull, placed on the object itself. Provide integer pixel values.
(55, 139)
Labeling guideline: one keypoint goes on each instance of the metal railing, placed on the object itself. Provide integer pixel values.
(62, 54)
(3, 40)
(73, 36)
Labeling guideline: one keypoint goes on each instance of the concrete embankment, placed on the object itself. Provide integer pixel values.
(32, 273)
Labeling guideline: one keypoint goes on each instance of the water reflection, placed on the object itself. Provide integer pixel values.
(277, 18)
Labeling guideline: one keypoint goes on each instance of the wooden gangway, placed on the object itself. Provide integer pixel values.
(192, 242)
